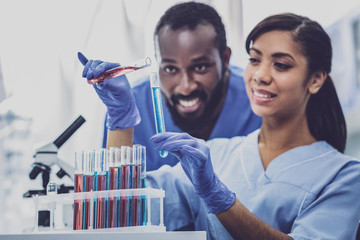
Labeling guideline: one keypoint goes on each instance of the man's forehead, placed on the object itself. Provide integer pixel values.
(201, 28)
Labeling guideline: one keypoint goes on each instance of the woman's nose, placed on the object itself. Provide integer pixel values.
(263, 75)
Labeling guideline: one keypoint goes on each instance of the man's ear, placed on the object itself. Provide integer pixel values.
(226, 57)
(316, 81)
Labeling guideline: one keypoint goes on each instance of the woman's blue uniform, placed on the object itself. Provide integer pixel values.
(308, 192)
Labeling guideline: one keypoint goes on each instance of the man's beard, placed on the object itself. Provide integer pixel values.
(195, 125)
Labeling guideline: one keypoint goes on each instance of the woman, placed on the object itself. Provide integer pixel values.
(291, 179)
(287, 180)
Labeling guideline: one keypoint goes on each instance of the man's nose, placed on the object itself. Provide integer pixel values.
(186, 85)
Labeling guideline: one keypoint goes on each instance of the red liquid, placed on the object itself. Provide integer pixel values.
(112, 73)
(89, 186)
(135, 215)
(124, 201)
(113, 184)
(78, 203)
(101, 203)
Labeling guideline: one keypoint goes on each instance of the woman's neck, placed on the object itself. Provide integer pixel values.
(277, 137)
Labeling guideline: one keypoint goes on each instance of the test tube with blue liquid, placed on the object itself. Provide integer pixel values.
(101, 172)
(157, 105)
(143, 216)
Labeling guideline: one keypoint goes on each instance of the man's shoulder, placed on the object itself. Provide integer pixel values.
(236, 71)
(141, 86)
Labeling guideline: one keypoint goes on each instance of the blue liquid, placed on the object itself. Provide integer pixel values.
(158, 113)
(143, 211)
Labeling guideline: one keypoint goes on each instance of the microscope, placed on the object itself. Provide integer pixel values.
(46, 156)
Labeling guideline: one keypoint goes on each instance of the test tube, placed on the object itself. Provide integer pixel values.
(157, 105)
(100, 185)
(89, 184)
(118, 71)
(51, 189)
(143, 216)
(114, 162)
(136, 170)
(120, 163)
(78, 187)
(125, 184)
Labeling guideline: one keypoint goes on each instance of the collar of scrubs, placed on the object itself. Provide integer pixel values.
(289, 159)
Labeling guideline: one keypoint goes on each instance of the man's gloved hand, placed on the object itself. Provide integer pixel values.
(115, 93)
(194, 156)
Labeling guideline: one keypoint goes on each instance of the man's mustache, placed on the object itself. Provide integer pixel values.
(195, 94)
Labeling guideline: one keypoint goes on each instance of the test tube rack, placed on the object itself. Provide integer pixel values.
(49, 202)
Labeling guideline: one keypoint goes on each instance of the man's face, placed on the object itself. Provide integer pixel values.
(191, 74)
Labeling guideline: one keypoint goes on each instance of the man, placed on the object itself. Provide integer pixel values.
(199, 87)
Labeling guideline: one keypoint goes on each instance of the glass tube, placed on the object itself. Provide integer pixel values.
(125, 184)
(136, 171)
(143, 216)
(114, 162)
(78, 187)
(89, 185)
(121, 70)
(100, 185)
(157, 105)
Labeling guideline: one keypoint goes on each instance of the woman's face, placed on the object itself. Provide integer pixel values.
(275, 76)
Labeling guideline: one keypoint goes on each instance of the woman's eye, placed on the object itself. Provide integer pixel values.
(253, 60)
(282, 66)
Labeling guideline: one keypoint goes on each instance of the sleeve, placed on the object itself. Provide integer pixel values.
(181, 204)
(335, 212)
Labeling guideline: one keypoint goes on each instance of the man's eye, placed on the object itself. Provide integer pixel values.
(170, 69)
(282, 66)
(201, 67)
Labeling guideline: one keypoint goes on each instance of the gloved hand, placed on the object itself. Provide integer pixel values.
(194, 156)
(115, 93)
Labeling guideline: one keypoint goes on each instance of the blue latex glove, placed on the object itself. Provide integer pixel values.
(115, 93)
(194, 156)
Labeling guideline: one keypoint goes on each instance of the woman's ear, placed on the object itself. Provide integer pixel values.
(316, 81)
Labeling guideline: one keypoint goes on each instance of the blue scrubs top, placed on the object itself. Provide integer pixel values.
(236, 118)
(308, 192)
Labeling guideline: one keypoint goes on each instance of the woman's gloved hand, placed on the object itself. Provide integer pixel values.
(194, 156)
(115, 93)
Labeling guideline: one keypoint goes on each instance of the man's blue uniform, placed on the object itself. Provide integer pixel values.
(236, 118)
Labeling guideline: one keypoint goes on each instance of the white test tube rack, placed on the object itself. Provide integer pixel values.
(46, 202)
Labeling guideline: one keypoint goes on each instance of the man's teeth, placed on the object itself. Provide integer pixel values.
(188, 103)
(262, 95)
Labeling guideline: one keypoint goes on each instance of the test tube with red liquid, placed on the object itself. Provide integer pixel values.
(143, 211)
(114, 164)
(121, 70)
(89, 184)
(100, 185)
(125, 184)
(78, 187)
(135, 183)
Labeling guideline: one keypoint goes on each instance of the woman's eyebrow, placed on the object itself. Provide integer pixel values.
(274, 55)
(280, 55)
(255, 50)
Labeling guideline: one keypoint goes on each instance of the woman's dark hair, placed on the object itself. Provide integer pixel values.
(324, 113)
(190, 15)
